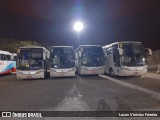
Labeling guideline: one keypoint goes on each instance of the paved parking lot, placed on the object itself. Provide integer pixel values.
(80, 93)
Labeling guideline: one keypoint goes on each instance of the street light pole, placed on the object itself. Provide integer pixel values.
(78, 37)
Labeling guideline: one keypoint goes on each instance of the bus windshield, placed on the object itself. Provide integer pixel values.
(62, 58)
(92, 56)
(30, 59)
(133, 54)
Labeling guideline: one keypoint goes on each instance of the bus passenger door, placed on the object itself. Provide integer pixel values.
(116, 59)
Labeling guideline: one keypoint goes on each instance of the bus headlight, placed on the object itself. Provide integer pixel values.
(53, 70)
(39, 71)
(125, 69)
(145, 68)
(19, 72)
(73, 69)
(83, 68)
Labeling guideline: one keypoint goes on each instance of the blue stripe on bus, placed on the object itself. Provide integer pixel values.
(11, 65)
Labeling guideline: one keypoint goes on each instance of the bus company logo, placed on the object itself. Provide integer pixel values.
(6, 114)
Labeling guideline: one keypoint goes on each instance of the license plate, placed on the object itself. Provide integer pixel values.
(135, 73)
(62, 74)
(29, 76)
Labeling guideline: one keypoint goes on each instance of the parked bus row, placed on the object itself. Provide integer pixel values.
(119, 58)
(60, 61)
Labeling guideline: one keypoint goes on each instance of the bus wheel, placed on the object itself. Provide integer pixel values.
(111, 73)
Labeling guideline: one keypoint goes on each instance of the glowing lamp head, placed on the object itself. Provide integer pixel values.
(78, 26)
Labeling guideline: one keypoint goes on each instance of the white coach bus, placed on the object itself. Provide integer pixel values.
(126, 58)
(32, 62)
(89, 59)
(7, 64)
(62, 61)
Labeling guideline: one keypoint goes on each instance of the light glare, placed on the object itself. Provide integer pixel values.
(78, 26)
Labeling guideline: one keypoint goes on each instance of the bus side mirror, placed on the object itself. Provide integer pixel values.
(148, 51)
(76, 55)
(79, 54)
(48, 55)
(120, 50)
(12, 57)
(44, 56)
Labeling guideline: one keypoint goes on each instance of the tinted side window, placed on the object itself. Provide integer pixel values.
(8, 57)
(3, 57)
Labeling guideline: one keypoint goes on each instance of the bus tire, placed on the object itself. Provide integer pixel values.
(111, 73)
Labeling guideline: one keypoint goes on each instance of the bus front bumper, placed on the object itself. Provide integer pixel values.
(92, 70)
(30, 74)
(129, 72)
(62, 72)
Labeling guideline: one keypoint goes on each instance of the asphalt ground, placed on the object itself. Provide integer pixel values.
(80, 93)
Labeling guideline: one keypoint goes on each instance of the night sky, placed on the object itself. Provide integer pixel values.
(105, 21)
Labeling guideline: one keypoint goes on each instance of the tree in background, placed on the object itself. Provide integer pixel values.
(12, 45)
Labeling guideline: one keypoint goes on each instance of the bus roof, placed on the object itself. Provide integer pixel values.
(31, 47)
(83, 46)
(61, 46)
(120, 42)
(4, 52)
(34, 47)
(14, 54)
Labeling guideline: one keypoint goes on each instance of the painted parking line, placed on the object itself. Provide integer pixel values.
(154, 94)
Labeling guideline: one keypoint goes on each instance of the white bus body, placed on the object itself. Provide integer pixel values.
(33, 62)
(126, 58)
(7, 64)
(62, 61)
(89, 60)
